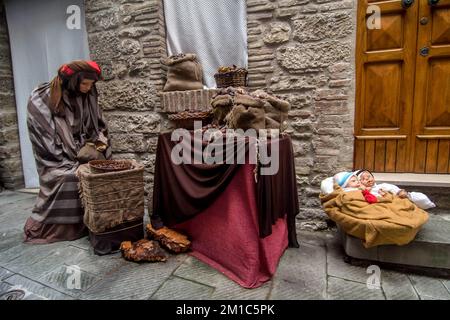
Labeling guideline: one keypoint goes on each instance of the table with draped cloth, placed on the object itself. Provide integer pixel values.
(239, 225)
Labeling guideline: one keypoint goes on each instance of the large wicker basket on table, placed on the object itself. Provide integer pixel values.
(235, 78)
(186, 119)
(111, 198)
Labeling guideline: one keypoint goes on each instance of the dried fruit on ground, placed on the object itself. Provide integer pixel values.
(170, 239)
(143, 250)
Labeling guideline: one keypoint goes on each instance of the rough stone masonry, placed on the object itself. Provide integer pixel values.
(301, 50)
(11, 174)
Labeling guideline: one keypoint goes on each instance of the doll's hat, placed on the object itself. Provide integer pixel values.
(342, 178)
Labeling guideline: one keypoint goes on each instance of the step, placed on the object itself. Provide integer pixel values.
(430, 248)
(414, 179)
(435, 186)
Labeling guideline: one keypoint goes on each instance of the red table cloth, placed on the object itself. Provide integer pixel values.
(238, 226)
(226, 234)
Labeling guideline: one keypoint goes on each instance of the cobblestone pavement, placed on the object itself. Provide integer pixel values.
(316, 270)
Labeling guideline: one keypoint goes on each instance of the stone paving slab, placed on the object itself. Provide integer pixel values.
(100, 265)
(337, 267)
(36, 266)
(61, 279)
(82, 243)
(229, 290)
(225, 289)
(195, 270)
(10, 238)
(430, 287)
(340, 289)
(447, 284)
(9, 197)
(22, 250)
(36, 288)
(181, 289)
(134, 281)
(4, 273)
(301, 274)
(397, 286)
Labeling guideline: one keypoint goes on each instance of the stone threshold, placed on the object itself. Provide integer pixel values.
(414, 179)
(29, 190)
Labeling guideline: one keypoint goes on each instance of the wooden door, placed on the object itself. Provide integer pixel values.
(402, 120)
(431, 121)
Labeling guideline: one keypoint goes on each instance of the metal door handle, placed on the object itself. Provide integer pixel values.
(433, 2)
(424, 51)
(407, 3)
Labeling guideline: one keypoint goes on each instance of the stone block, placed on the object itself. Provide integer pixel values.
(102, 20)
(299, 57)
(277, 32)
(133, 122)
(129, 95)
(129, 143)
(104, 46)
(323, 26)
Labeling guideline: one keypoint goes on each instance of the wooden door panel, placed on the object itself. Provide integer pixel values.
(390, 36)
(379, 155)
(443, 156)
(440, 29)
(431, 122)
(382, 96)
(385, 66)
(437, 107)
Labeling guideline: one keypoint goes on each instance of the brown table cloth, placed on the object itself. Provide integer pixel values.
(183, 191)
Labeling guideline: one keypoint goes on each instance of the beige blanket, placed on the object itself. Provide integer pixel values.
(391, 220)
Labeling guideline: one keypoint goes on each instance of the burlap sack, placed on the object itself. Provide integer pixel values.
(277, 103)
(184, 73)
(89, 152)
(274, 118)
(242, 118)
(248, 101)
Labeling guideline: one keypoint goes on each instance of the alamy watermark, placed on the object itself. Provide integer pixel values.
(374, 17)
(73, 21)
(213, 146)
(73, 281)
(374, 280)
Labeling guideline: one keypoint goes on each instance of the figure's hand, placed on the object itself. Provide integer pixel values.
(100, 146)
(402, 194)
(89, 152)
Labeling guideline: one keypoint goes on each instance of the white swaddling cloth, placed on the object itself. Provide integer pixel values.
(418, 198)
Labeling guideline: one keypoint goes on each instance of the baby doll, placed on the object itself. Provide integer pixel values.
(350, 182)
(367, 181)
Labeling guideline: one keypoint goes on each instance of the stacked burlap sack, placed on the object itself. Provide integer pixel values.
(184, 72)
(239, 109)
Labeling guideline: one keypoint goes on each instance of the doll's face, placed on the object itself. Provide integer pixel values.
(353, 183)
(86, 85)
(367, 179)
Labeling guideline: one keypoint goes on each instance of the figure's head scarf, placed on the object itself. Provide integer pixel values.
(69, 77)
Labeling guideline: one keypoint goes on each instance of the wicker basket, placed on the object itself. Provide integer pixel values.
(103, 166)
(236, 78)
(112, 198)
(186, 119)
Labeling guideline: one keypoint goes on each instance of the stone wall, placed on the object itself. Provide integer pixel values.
(127, 39)
(11, 174)
(303, 50)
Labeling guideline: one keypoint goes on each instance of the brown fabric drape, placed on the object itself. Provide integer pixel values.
(182, 191)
